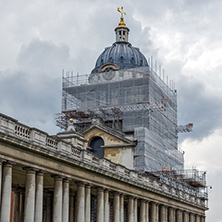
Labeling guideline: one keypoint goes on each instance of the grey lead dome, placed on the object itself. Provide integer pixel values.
(122, 54)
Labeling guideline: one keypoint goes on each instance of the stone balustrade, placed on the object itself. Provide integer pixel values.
(11, 127)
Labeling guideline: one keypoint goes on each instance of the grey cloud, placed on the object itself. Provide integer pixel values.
(214, 179)
(198, 106)
(43, 56)
(31, 105)
(32, 91)
(100, 34)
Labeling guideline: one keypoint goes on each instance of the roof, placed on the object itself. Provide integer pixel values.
(112, 132)
(122, 54)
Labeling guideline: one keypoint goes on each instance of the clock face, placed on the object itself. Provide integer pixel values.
(108, 75)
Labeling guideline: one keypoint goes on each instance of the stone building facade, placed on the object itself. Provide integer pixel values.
(45, 178)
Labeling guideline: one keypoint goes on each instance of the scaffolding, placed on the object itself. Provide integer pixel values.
(133, 101)
(135, 91)
(189, 181)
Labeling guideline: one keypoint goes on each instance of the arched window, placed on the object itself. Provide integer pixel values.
(96, 144)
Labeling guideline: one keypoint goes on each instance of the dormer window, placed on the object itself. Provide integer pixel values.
(121, 59)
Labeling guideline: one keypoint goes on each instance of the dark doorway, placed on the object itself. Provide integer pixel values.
(96, 144)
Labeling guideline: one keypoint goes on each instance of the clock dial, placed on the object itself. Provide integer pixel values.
(108, 75)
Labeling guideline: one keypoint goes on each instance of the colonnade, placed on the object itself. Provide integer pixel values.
(62, 204)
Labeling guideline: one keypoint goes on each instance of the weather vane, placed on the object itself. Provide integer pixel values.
(121, 11)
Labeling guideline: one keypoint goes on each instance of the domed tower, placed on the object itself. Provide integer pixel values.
(126, 95)
(121, 55)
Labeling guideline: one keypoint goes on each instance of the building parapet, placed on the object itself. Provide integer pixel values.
(12, 127)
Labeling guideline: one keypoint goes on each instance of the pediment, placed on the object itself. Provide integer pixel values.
(110, 137)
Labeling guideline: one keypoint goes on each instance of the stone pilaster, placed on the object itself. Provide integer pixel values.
(57, 200)
(130, 209)
(88, 203)
(65, 201)
(39, 197)
(48, 207)
(6, 192)
(143, 216)
(80, 203)
(71, 207)
(116, 207)
(16, 205)
(106, 206)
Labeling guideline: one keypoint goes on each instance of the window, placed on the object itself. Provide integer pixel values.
(96, 144)
(132, 60)
(121, 59)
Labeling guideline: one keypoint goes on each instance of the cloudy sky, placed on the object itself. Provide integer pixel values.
(39, 38)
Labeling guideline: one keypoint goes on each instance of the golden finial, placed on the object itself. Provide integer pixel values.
(71, 120)
(122, 23)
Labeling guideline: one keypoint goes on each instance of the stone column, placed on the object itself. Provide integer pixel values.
(157, 212)
(202, 219)
(197, 218)
(171, 214)
(178, 215)
(130, 210)
(167, 213)
(80, 203)
(106, 206)
(143, 216)
(0, 183)
(192, 217)
(186, 217)
(57, 200)
(39, 197)
(65, 201)
(147, 211)
(21, 206)
(88, 203)
(163, 213)
(153, 212)
(100, 205)
(189, 217)
(6, 192)
(121, 208)
(116, 207)
(181, 216)
(135, 210)
(29, 195)
(71, 207)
